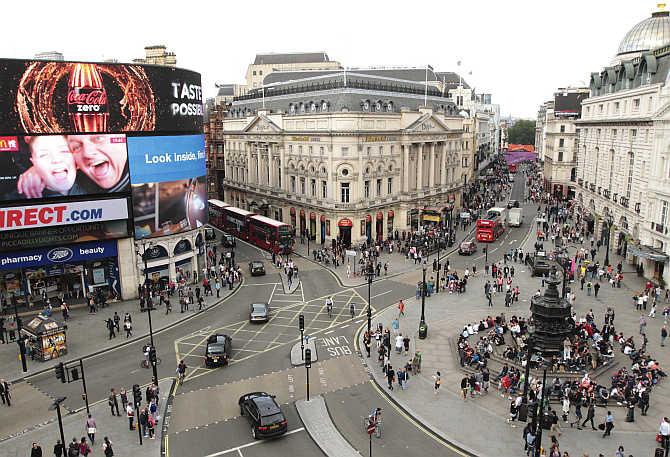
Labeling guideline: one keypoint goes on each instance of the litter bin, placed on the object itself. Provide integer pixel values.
(423, 330)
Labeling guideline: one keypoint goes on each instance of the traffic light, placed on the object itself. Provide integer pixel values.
(301, 322)
(60, 372)
(152, 354)
(137, 394)
(74, 373)
(308, 358)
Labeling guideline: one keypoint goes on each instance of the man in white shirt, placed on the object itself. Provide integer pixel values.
(664, 431)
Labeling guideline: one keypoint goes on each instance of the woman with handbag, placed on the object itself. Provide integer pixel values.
(90, 429)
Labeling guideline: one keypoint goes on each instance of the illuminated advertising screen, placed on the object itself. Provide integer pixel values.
(79, 97)
(55, 166)
(168, 180)
(48, 236)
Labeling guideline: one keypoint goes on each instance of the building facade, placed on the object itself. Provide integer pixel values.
(624, 148)
(158, 55)
(351, 155)
(558, 142)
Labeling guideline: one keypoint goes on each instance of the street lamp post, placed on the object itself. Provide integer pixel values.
(19, 339)
(609, 223)
(308, 365)
(301, 326)
(423, 327)
(149, 306)
(56, 406)
(368, 274)
(437, 283)
(523, 410)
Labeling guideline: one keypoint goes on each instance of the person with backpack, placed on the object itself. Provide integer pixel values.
(107, 447)
(73, 448)
(84, 448)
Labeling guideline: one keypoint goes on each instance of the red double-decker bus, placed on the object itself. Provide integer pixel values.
(270, 234)
(216, 215)
(490, 228)
(236, 221)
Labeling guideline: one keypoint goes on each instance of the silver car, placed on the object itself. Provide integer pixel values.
(259, 312)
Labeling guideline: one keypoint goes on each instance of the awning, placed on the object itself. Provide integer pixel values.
(380, 216)
(312, 216)
(323, 218)
(292, 211)
(391, 214)
(647, 252)
(345, 223)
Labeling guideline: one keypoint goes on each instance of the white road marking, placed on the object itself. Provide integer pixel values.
(253, 443)
(345, 326)
(240, 453)
(329, 332)
(383, 293)
(512, 242)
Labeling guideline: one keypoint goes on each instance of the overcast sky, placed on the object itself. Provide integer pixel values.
(518, 50)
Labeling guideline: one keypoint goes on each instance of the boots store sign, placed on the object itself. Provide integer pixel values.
(79, 97)
(59, 255)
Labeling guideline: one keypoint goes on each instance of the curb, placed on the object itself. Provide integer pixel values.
(165, 449)
(134, 340)
(420, 422)
(295, 407)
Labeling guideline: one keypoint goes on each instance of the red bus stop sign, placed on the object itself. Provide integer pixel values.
(371, 427)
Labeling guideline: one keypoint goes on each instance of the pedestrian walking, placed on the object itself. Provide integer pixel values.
(131, 417)
(35, 450)
(609, 424)
(405, 342)
(91, 428)
(596, 289)
(5, 393)
(59, 449)
(401, 308)
(664, 432)
(390, 376)
(465, 382)
(107, 447)
(128, 327)
(437, 378)
(84, 448)
(664, 334)
(590, 415)
(113, 402)
(110, 327)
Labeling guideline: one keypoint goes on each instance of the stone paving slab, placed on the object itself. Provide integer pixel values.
(446, 314)
(125, 442)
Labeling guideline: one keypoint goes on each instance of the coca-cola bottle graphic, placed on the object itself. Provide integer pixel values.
(87, 99)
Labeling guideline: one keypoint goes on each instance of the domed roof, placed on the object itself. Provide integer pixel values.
(648, 34)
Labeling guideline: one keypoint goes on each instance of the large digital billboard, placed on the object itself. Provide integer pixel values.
(70, 233)
(53, 166)
(80, 97)
(167, 174)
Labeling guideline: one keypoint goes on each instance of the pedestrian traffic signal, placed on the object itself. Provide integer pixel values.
(308, 358)
(137, 394)
(74, 374)
(60, 372)
(301, 322)
(152, 354)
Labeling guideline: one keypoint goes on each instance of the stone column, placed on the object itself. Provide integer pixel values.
(431, 171)
(250, 175)
(419, 166)
(405, 167)
(282, 166)
(443, 164)
(271, 167)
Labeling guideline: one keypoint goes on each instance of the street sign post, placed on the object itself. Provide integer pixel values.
(372, 426)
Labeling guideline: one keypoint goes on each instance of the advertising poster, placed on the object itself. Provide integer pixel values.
(80, 97)
(53, 166)
(56, 214)
(49, 236)
(168, 180)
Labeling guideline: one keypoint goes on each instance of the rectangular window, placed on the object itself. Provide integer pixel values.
(379, 187)
(324, 189)
(302, 186)
(366, 189)
(321, 150)
(633, 133)
(369, 150)
(600, 108)
(636, 104)
(311, 150)
(664, 213)
(616, 107)
(312, 185)
(560, 155)
(561, 142)
(464, 162)
(614, 132)
(293, 184)
(290, 149)
(389, 186)
(562, 128)
(381, 150)
(344, 192)
(299, 149)
(345, 151)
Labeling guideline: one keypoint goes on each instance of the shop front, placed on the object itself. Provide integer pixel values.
(368, 228)
(292, 213)
(68, 271)
(379, 227)
(312, 226)
(345, 226)
(303, 225)
(389, 222)
(322, 221)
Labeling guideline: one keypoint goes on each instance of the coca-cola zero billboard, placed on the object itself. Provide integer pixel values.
(78, 97)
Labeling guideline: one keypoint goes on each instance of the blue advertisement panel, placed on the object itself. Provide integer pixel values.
(166, 158)
(58, 256)
(168, 181)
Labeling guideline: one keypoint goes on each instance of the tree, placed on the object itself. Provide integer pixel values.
(522, 132)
